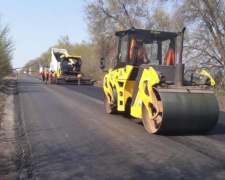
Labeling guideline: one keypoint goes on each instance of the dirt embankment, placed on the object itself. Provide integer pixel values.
(15, 160)
(2, 100)
(8, 152)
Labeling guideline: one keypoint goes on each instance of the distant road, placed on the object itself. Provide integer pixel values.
(72, 137)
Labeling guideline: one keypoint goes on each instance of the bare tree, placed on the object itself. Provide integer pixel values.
(105, 17)
(6, 48)
(206, 45)
(112, 14)
(160, 20)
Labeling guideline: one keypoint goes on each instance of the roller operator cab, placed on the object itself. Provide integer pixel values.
(149, 83)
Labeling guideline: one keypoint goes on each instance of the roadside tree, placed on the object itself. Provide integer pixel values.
(6, 49)
(206, 23)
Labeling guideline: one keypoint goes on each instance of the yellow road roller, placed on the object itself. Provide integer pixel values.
(149, 82)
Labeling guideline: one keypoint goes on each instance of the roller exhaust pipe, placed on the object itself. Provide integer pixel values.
(179, 68)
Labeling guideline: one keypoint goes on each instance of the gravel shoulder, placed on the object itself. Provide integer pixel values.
(8, 152)
(15, 160)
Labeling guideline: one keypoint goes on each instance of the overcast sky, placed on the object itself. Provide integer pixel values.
(36, 25)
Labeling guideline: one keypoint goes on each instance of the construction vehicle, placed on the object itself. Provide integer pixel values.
(166, 99)
(66, 68)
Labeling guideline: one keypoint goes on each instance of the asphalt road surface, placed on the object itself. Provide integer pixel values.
(72, 137)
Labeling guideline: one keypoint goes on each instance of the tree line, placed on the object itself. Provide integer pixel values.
(204, 39)
(6, 50)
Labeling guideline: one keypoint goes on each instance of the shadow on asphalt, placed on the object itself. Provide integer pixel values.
(218, 129)
(220, 126)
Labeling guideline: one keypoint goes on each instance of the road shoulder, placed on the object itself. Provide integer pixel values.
(14, 148)
(8, 151)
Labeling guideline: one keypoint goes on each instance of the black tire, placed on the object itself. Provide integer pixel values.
(111, 108)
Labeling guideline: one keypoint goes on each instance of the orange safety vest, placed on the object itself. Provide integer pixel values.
(131, 48)
(79, 75)
(50, 74)
(170, 57)
(42, 73)
(46, 73)
(141, 52)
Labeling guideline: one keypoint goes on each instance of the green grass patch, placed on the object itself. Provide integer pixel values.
(220, 92)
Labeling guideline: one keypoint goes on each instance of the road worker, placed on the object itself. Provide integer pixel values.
(43, 75)
(46, 74)
(79, 78)
(170, 56)
(142, 54)
(138, 52)
(51, 76)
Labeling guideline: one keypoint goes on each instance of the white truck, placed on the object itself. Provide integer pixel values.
(66, 67)
(55, 58)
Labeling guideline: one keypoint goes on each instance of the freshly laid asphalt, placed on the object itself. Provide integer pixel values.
(72, 137)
